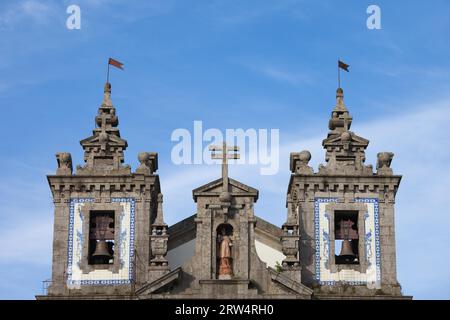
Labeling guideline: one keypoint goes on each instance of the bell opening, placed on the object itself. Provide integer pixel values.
(346, 243)
(101, 238)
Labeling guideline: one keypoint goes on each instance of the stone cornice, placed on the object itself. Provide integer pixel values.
(119, 183)
(361, 183)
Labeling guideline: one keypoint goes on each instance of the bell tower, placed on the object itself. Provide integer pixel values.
(344, 214)
(109, 233)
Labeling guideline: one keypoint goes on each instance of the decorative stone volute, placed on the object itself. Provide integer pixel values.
(64, 160)
(299, 162)
(384, 160)
(149, 162)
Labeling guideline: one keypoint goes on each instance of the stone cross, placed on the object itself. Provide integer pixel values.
(224, 156)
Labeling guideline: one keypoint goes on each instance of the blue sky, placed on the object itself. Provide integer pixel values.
(231, 64)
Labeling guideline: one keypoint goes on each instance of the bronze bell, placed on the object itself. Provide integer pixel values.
(346, 251)
(101, 250)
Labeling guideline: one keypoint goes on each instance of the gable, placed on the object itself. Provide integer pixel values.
(94, 140)
(353, 139)
(215, 187)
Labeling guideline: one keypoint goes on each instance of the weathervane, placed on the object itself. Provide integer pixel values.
(343, 66)
(114, 63)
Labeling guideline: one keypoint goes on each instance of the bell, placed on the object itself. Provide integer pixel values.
(346, 251)
(101, 250)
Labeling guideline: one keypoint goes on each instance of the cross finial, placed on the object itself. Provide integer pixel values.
(224, 156)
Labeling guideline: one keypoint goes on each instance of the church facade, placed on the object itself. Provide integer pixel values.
(110, 240)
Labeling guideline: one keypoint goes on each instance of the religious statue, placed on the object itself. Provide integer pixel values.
(225, 258)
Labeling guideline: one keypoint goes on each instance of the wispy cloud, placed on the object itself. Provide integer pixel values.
(437, 72)
(28, 241)
(42, 13)
(280, 74)
(27, 11)
(232, 13)
(127, 11)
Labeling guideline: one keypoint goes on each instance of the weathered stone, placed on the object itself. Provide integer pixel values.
(344, 184)
(225, 231)
(103, 181)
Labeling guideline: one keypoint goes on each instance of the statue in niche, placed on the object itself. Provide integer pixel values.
(224, 255)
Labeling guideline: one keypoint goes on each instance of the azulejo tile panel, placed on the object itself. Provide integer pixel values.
(372, 276)
(125, 245)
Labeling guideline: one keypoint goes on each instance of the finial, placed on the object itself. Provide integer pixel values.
(159, 211)
(340, 118)
(340, 105)
(107, 96)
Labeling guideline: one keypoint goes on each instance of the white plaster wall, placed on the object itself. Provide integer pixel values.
(179, 255)
(268, 254)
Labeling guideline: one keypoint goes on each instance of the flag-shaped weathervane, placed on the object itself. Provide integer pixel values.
(343, 66)
(115, 63)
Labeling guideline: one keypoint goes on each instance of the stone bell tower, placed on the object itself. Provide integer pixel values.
(109, 234)
(342, 216)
